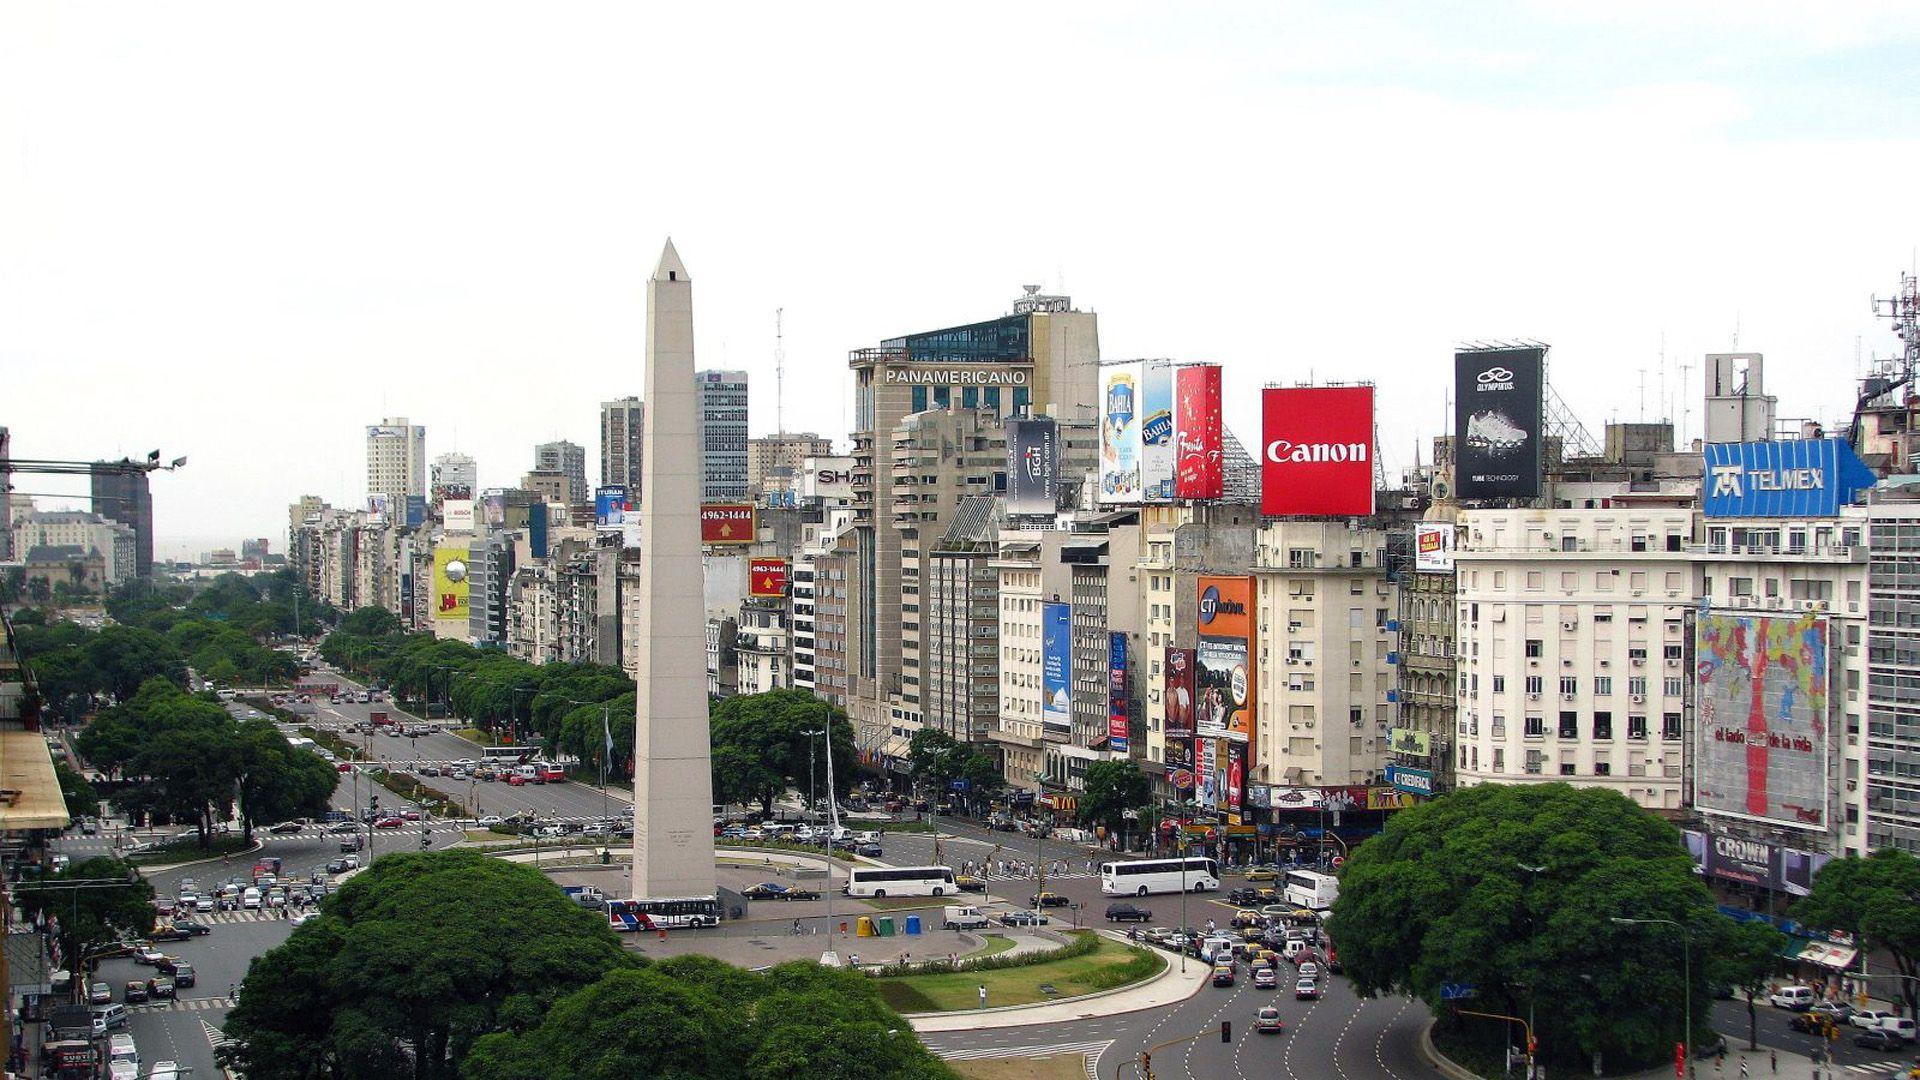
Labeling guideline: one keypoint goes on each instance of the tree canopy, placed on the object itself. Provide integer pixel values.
(1513, 890)
(103, 900)
(692, 1017)
(760, 746)
(1113, 788)
(936, 760)
(1877, 899)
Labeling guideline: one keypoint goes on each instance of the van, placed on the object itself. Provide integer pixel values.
(1216, 948)
(1293, 948)
(108, 1017)
(121, 1048)
(963, 917)
(1902, 1026)
(1797, 998)
(250, 899)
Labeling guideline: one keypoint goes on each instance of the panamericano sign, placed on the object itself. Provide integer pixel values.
(944, 375)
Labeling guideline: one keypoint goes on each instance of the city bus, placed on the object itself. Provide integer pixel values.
(509, 753)
(900, 881)
(1311, 889)
(663, 914)
(1144, 876)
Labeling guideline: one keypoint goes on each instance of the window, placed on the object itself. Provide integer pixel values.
(1536, 727)
(1637, 727)
(1499, 760)
(1637, 686)
(1534, 760)
(1569, 684)
(1603, 768)
(1672, 686)
(1603, 686)
(1569, 725)
(1566, 768)
(1672, 652)
(1499, 684)
(1533, 684)
(1603, 725)
(1670, 725)
(1534, 646)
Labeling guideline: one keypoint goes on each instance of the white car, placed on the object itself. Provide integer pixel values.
(1870, 1018)
(490, 820)
(304, 917)
(164, 1070)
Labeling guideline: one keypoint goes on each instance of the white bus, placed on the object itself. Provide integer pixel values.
(1145, 876)
(901, 881)
(652, 914)
(1311, 889)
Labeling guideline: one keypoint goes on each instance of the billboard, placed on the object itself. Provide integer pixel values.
(1318, 457)
(450, 585)
(1410, 741)
(1755, 862)
(1412, 781)
(1177, 719)
(611, 504)
(1032, 461)
(1199, 470)
(1496, 423)
(1387, 798)
(378, 506)
(1791, 478)
(1206, 777)
(1433, 547)
(457, 515)
(1233, 792)
(827, 478)
(727, 523)
(767, 577)
(1120, 433)
(1223, 671)
(416, 511)
(1763, 723)
(1117, 733)
(1156, 432)
(1295, 798)
(1056, 666)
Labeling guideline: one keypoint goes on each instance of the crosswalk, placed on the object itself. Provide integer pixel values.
(1092, 1049)
(1876, 1069)
(189, 1004)
(215, 1037)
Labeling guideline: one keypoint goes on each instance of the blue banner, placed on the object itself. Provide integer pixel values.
(1793, 478)
(1056, 666)
(1117, 728)
(1412, 781)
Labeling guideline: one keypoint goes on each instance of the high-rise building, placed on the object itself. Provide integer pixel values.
(775, 462)
(569, 460)
(455, 476)
(396, 461)
(1892, 780)
(623, 426)
(550, 485)
(120, 493)
(723, 435)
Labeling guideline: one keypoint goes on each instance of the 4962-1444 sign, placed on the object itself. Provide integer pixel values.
(1412, 781)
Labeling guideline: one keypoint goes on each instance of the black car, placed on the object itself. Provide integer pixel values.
(136, 992)
(337, 866)
(169, 932)
(182, 973)
(287, 828)
(1243, 897)
(160, 988)
(1128, 913)
(1879, 1039)
(192, 928)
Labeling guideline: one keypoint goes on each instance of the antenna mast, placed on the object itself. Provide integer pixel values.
(779, 373)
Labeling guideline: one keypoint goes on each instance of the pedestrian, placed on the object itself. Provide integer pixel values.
(1773, 1061)
(230, 990)
(983, 995)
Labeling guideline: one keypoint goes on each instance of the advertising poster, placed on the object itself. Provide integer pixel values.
(1199, 470)
(1157, 450)
(727, 523)
(1295, 798)
(457, 515)
(1120, 433)
(1206, 789)
(1411, 781)
(1755, 862)
(450, 585)
(1179, 695)
(767, 577)
(610, 506)
(1386, 798)
(1179, 762)
(1410, 741)
(1056, 667)
(416, 511)
(1433, 547)
(1223, 672)
(1117, 727)
(1762, 731)
(1789, 478)
(1032, 460)
(1496, 423)
(1319, 450)
(377, 509)
(1236, 765)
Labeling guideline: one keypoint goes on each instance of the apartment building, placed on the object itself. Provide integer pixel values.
(776, 462)
(623, 424)
(569, 460)
(1892, 780)
(763, 646)
(960, 625)
(723, 435)
(396, 461)
(1572, 639)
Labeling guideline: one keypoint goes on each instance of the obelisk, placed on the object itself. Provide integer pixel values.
(672, 768)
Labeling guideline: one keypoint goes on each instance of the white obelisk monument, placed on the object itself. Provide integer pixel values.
(672, 771)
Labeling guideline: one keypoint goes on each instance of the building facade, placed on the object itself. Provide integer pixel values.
(623, 428)
(570, 461)
(722, 403)
(776, 462)
(121, 493)
(455, 476)
(396, 461)
(1892, 781)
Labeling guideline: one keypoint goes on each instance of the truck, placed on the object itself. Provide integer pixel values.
(585, 895)
(70, 1059)
(379, 718)
(963, 917)
(70, 1022)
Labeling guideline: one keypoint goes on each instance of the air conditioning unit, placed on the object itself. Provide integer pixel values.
(1639, 661)
(1606, 663)
(1566, 697)
(1569, 626)
(1673, 661)
(1638, 699)
(1533, 697)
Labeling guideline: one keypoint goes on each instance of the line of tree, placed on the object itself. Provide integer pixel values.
(940, 765)
(453, 964)
(96, 901)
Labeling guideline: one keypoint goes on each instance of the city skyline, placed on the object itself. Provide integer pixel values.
(1539, 180)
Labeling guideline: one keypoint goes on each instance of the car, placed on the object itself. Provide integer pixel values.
(1261, 873)
(1268, 1022)
(1264, 978)
(287, 828)
(148, 955)
(1047, 900)
(341, 828)
(1309, 969)
(1023, 918)
(1128, 913)
(1870, 1018)
(1242, 897)
(871, 851)
(352, 862)
(1306, 990)
(89, 827)
(389, 822)
(168, 932)
(773, 890)
(337, 866)
(1837, 1011)
(1797, 998)
(1156, 936)
(516, 780)
(1247, 917)
(1223, 974)
(182, 973)
(969, 883)
(304, 918)
(490, 821)
(352, 843)
(160, 987)
(192, 927)
(1880, 1039)
(1811, 1022)
(99, 993)
(165, 1070)
(410, 815)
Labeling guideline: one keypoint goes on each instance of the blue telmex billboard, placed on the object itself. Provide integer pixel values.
(1795, 478)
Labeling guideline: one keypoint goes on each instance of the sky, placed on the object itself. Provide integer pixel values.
(240, 232)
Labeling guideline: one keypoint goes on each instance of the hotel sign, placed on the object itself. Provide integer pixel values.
(949, 375)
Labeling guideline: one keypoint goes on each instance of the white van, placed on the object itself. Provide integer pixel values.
(121, 1048)
(108, 1017)
(964, 917)
(1293, 948)
(1797, 998)
(1902, 1026)
(250, 900)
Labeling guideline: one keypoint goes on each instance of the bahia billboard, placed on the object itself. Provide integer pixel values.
(1763, 734)
(1056, 667)
(1791, 478)
(1497, 411)
(1199, 470)
(1319, 451)
(1033, 458)
(1157, 451)
(1119, 471)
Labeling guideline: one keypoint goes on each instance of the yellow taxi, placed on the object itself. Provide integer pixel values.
(1262, 873)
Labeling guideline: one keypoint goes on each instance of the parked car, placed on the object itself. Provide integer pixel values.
(99, 993)
(1797, 998)
(869, 850)
(774, 890)
(1128, 913)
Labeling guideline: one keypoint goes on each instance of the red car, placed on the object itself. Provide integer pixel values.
(344, 767)
(516, 780)
(389, 823)
(410, 815)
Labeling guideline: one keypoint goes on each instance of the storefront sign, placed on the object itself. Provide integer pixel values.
(1414, 781)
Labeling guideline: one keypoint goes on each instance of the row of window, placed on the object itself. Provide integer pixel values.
(1601, 727)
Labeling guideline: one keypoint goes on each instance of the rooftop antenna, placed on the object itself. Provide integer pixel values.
(1666, 408)
(779, 373)
(1686, 404)
(1643, 395)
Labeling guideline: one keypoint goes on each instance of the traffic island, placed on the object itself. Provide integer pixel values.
(1091, 964)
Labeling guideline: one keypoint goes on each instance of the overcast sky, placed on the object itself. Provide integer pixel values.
(241, 232)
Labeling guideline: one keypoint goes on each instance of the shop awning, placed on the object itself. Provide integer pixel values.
(894, 747)
(1836, 957)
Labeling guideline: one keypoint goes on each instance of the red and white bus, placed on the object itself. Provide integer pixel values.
(664, 914)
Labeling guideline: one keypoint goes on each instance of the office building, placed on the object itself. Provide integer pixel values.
(113, 542)
(455, 476)
(775, 463)
(120, 493)
(623, 427)
(722, 401)
(396, 461)
(959, 641)
(1892, 780)
(570, 461)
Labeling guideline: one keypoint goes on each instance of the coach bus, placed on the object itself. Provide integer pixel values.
(1311, 889)
(900, 881)
(1144, 876)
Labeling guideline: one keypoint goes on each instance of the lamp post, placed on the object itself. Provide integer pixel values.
(830, 958)
(1686, 969)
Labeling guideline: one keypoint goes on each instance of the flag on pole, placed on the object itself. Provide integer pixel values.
(606, 725)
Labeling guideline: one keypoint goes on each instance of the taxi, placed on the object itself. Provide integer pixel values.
(1262, 873)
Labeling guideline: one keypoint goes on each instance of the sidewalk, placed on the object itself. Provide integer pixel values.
(1166, 988)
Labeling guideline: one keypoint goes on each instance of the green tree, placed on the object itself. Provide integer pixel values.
(96, 901)
(1513, 889)
(771, 728)
(81, 799)
(1113, 788)
(692, 1017)
(127, 656)
(277, 781)
(936, 759)
(413, 960)
(1877, 899)
(1744, 955)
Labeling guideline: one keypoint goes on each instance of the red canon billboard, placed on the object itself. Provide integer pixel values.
(1317, 450)
(1198, 472)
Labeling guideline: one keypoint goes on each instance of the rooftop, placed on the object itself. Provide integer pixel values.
(29, 792)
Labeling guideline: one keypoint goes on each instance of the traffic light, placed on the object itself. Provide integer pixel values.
(1226, 1031)
(1146, 1063)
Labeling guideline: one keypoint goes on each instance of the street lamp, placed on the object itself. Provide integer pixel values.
(1686, 969)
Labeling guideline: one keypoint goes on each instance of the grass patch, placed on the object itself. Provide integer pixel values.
(1051, 1067)
(174, 851)
(996, 944)
(1107, 965)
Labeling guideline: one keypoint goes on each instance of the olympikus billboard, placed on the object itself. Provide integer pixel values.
(1792, 478)
(1198, 470)
(1318, 457)
(1496, 423)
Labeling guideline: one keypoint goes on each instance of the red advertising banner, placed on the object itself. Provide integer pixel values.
(727, 523)
(767, 577)
(1198, 471)
(1317, 450)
